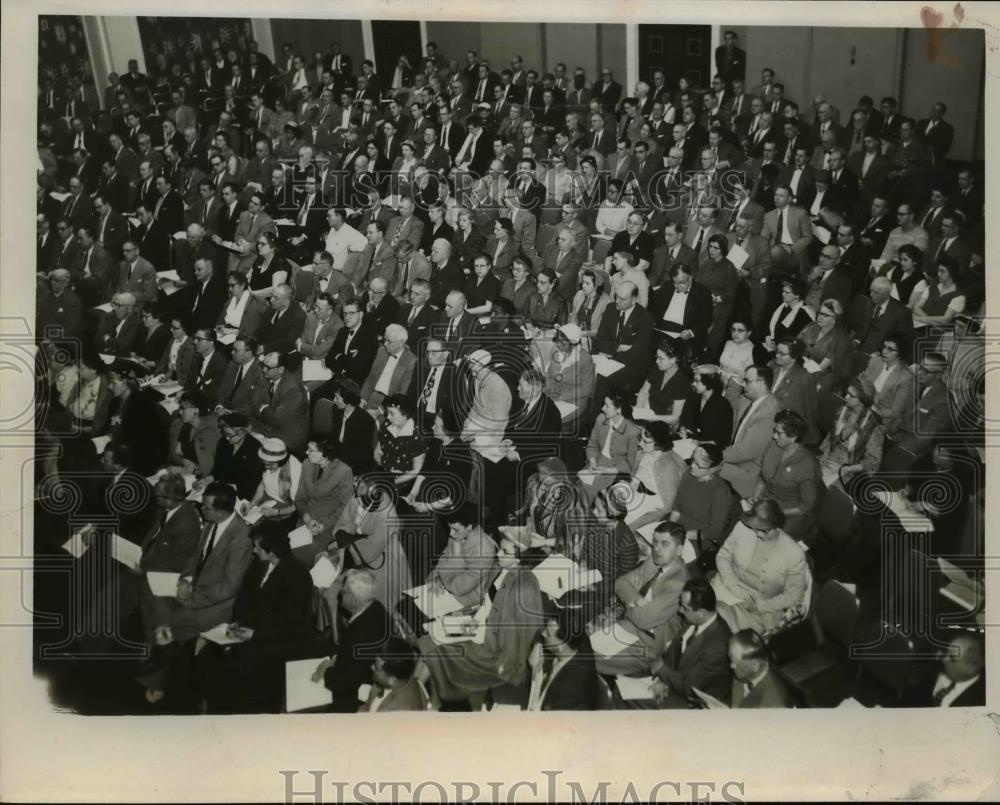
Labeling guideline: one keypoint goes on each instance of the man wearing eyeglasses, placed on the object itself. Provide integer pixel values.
(282, 409)
(209, 365)
(120, 331)
(136, 275)
(927, 414)
(284, 324)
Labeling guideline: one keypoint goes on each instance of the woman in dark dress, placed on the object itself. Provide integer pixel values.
(400, 449)
(792, 315)
(435, 229)
(137, 420)
(707, 416)
(520, 287)
(268, 269)
(157, 335)
(466, 243)
(482, 288)
(668, 386)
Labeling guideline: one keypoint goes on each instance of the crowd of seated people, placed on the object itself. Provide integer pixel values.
(439, 329)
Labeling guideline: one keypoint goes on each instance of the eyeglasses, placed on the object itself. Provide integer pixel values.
(738, 329)
(888, 348)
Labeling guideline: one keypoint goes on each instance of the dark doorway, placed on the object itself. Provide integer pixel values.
(392, 39)
(678, 50)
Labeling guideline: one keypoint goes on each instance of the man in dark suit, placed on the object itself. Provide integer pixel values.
(282, 411)
(353, 349)
(875, 316)
(362, 632)
(937, 133)
(855, 258)
(829, 280)
(112, 230)
(682, 308)
(418, 316)
(755, 685)
(243, 379)
(874, 232)
(564, 672)
(607, 90)
(209, 366)
(60, 311)
(730, 61)
(78, 208)
(280, 328)
(119, 332)
(113, 187)
(154, 239)
(698, 657)
(450, 134)
(207, 294)
(673, 251)
(958, 680)
(625, 335)
(950, 243)
(534, 422)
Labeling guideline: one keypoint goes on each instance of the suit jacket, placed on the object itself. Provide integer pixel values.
(574, 686)
(317, 338)
(697, 313)
(896, 395)
(609, 92)
(659, 272)
(659, 615)
(280, 335)
(409, 696)
(142, 283)
(926, 416)
(205, 439)
(797, 392)
(839, 285)
(60, 317)
(357, 446)
(704, 664)
(252, 387)
(532, 431)
(418, 267)
(245, 231)
(375, 262)
(768, 692)
(799, 227)
(169, 546)
(206, 383)
(254, 313)
(959, 250)
(400, 380)
(895, 318)
(125, 341)
(284, 414)
(278, 609)
(938, 140)
(637, 333)
(742, 459)
(419, 329)
(185, 359)
(361, 640)
(207, 302)
(567, 270)
(411, 229)
(355, 362)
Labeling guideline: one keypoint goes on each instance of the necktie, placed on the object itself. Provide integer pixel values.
(781, 226)
(208, 549)
(688, 635)
(876, 314)
(621, 325)
(940, 695)
(644, 590)
(239, 379)
(429, 385)
(698, 240)
(597, 139)
(743, 418)
(940, 249)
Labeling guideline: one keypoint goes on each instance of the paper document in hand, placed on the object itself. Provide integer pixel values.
(606, 366)
(100, 442)
(169, 405)
(684, 448)
(737, 255)
(811, 366)
(324, 573)
(105, 358)
(163, 585)
(228, 337)
(128, 553)
(559, 574)
(300, 537)
(641, 505)
(217, 634)
(171, 275)
(456, 629)
(75, 545)
(565, 408)
(168, 389)
(180, 235)
(632, 689)
(301, 693)
(313, 369)
(284, 222)
(610, 641)
(710, 701)
(59, 196)
(434, 604)
(253, 513)
(105, 308)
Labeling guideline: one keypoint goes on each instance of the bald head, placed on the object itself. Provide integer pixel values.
(378, 285)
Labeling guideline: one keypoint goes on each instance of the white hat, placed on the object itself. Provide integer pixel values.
(272, 449)
(481, 356)
(571, 331)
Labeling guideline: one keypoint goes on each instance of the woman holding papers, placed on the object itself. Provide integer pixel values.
(854, 446)
(738, 355)
(707, 416)
(244, 312)
(705, 503)
(659, 472)
(613, 445)
(570, 374)
(668, 385)
(279, 484)
(193, 437)
(763, 576)
(268, 270)
(513, 615)
(325, 487)
(828, 344)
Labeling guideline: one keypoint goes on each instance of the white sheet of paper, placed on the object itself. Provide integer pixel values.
(684, 448)
(559, 574)
(169, 405)
(641, 505)
(171, 275)
(811, 366)
(252, 514)
(822, 234)
(324, 573)
(169, 288)
(911, 522)
(737, 255)
(168, 389)
(434, 604)
(610, 641)
(632, 689)
(606, 366)
(710, 700)
(284, 222)
(128, 553)
(300, 537)
(565, 408)
(640, 412)
(59, 196)
(106, 307)
(228, 337)
(314, 369)
(134, 221)
(75, 545)
(217, 634)
(163, 585)
(451, 629)
(301, 693)
(180, 235)
(100, 442)
(106, 358)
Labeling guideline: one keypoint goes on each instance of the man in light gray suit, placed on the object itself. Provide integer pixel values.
(742, 459)
(392, 371)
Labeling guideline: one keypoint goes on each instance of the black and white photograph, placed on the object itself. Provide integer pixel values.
(549, 370)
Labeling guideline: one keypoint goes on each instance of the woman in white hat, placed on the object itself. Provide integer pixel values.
(280, 481)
